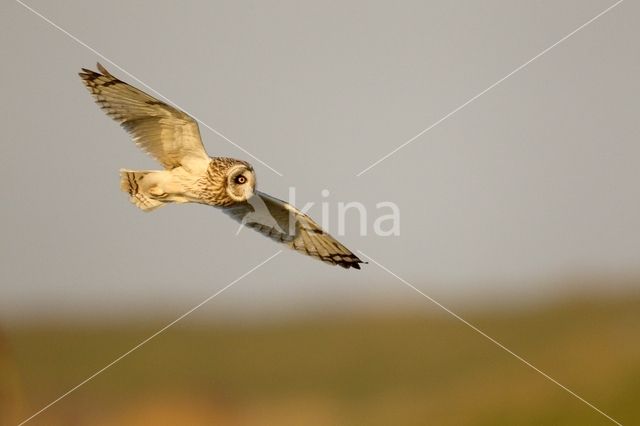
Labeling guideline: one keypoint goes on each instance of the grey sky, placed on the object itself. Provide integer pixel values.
(534, 182)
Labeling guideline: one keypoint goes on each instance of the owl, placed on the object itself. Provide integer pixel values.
(190, 176)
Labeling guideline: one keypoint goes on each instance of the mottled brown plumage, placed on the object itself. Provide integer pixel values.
(190, 176)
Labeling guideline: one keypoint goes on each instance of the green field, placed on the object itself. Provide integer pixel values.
(364, 370)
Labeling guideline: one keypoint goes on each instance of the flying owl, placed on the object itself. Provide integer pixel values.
(190, 176)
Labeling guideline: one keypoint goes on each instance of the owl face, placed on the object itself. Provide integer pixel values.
(241, 182)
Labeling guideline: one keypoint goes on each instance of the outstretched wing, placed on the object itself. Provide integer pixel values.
(284, 223)
(168, 134)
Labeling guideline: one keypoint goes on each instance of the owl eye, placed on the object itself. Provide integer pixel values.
(240, 179)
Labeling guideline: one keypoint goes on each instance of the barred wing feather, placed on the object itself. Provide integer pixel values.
(285, 224)
(171, 136)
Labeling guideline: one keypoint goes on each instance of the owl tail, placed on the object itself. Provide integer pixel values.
(140, 191)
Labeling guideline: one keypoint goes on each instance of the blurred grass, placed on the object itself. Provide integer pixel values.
(367, 370)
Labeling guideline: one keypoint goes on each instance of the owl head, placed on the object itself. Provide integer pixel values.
(240, 181)
(229, 181)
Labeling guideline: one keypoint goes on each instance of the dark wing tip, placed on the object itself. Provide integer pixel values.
(350, 262)
(88, 74)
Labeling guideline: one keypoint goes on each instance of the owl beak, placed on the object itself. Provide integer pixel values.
(248, 192)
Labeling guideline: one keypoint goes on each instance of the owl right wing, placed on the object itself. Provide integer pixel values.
(285, 224)
(171, 136)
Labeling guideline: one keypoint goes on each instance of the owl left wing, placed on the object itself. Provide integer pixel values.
(284, 223)
(170, 135)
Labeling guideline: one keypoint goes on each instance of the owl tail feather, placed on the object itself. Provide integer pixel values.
(132, 182)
